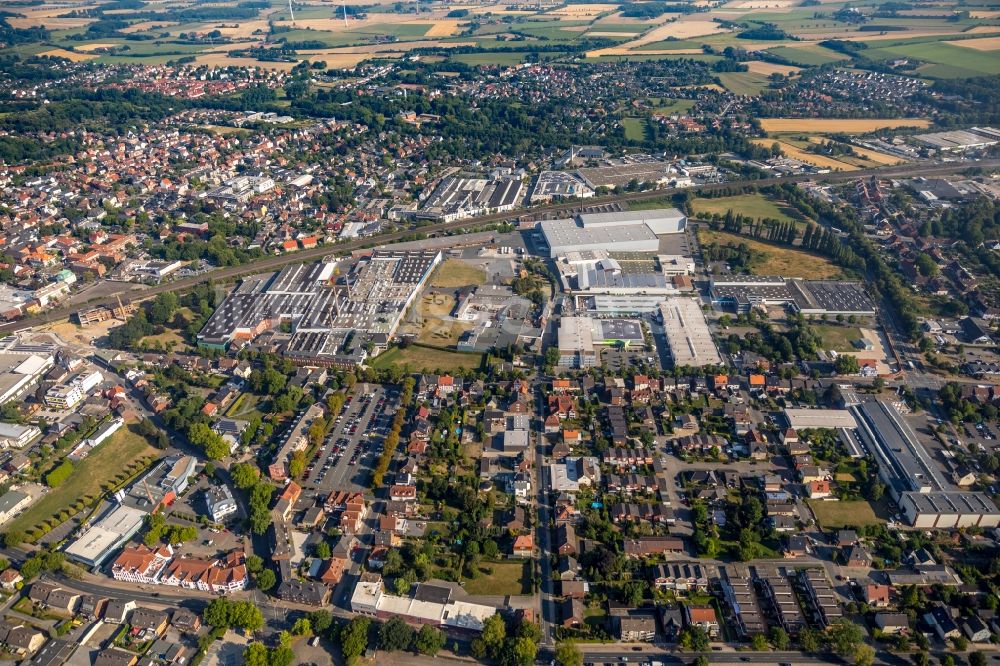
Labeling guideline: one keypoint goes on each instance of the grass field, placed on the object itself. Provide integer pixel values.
(947, 60)
(778, 260)
(457, 273)
(499, 59)
(635, 129)
(844, 126)
(809, 55)
(506, 578)
(88, 479)
(744, 83)
(670, 105)
(427, 359)
(754, 205)
(838, 338)
(836, 515)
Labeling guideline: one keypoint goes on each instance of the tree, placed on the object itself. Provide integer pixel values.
(977, 658)
(266, 580)
(700, 660)
(845, 638)
(759, 642)
(255, 655)
(519, 652)
(395, 635)
(255, 564)
(429, 640)
(846, 365)
(864, 655)
(809, 640)
(354, 638)
(320, 620)
(494, 632)
(694, 638)
(779, 638)
(302, 626)
(568, 654)
(244, 475)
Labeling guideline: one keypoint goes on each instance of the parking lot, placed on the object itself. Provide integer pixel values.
(345, 460)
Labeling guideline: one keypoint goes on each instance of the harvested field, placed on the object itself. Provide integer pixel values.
(846, 125)
(68, 55)
(988, 14)
(820, 161)
(769, 68)
(49, 23)
(87, 48)
(679, 29)
(763, 4)
(583, 10)
(443, 28)
(871, 155)
(835, 515)
(984, 44)
(226, 60)
(142, 26)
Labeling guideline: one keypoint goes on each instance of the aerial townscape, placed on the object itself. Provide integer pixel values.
(499, 332)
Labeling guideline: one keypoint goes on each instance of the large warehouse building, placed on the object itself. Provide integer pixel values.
(914, 480)
(579, 338)
(622, 231)
(687, 333)
(818, 297)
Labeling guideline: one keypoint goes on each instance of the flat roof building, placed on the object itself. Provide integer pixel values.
(623, 231)
(949, 510)
(742, 292)
(106, 535)
(903, 463)
(804, 418)
(687, 333)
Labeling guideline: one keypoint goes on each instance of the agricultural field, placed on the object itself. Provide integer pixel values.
(839, 126)
(753, 205)
(744, 83)
(427, 359)
(777, 259)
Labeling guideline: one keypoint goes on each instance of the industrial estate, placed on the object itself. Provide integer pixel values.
(554, 333)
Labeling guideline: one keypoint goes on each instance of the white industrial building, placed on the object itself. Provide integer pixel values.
(949, 509)
(687, 332)
(16, 436)
(805, 418)
(621, 231)
(106, 535)
(576, 342)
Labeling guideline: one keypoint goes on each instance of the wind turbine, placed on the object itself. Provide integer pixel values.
(290, 12)
(344, 5)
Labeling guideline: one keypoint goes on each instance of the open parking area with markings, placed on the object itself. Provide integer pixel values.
(344, 461)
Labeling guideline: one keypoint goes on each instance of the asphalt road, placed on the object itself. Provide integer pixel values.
(264, 264)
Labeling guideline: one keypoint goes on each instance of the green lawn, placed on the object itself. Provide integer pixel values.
(635, 129)
(428, 359)
(838, 338)
(506, 578)
(835, 515)
(756, 206)
(499, 59)
(91, 477)
(671, 105)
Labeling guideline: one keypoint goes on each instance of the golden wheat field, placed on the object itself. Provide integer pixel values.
(868, 154)
(844, 125)
(983, 44)
(820, 161)
(69, 55)
(768, 68)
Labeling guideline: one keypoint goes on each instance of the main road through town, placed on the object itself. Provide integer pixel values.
(133, 292)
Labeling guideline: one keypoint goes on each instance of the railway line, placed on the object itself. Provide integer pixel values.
(131, 292)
